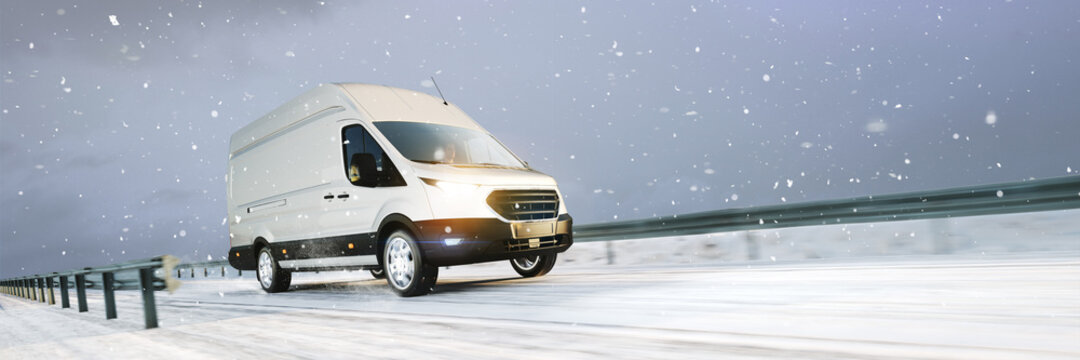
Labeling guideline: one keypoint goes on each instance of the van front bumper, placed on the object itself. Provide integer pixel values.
(448, 242)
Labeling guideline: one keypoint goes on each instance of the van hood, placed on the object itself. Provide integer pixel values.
(479, 175)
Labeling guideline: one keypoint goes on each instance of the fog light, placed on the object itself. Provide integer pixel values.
(451, 241)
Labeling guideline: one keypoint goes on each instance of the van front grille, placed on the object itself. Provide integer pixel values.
(524, 204)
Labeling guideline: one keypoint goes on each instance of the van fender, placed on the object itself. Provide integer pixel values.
(261, 232)
(388, 222)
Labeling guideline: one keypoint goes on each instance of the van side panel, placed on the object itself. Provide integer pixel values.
(280, 163)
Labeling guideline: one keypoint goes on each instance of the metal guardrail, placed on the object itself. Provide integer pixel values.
(134, 275)
(1025, 196)
(1016, 197)
(1006, 198)
(205, 266)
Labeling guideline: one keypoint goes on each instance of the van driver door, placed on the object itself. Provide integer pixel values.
(371, 180)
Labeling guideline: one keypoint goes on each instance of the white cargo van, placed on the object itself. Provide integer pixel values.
(358, 176)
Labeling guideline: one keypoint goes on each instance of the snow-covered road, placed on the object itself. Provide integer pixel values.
(962, 307)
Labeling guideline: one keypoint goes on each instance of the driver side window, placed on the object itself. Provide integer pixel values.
(366, 164)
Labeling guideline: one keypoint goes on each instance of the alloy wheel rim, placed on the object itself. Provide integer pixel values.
(399, 263)
(527, 262)
(266, 270)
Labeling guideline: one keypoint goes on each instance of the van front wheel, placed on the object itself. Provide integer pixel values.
(406, 271)
(271, 276)
(533, 266)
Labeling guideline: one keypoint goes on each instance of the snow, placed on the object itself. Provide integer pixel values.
(113, 21)
(921, 307)
(876, 126)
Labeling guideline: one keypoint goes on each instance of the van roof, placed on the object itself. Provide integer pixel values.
(383, 103)
(373, 102)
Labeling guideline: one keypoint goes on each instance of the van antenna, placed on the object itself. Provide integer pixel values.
(440, 91)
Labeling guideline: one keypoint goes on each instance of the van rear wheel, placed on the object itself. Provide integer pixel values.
(406, 271)
(533, 266)
(271, 276)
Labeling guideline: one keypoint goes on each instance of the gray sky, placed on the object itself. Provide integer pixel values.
(113, 136)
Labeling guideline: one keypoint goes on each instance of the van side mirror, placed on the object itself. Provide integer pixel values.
(362, 170)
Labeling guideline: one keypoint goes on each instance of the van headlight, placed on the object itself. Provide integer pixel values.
(451, 188)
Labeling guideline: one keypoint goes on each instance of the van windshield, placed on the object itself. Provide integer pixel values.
(444, 144)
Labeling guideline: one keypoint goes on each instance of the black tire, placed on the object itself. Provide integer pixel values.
(406, 272)
(279, 278)
(533, 266)
(378, 273)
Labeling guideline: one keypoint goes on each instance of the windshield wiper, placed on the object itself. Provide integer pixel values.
(431, 161)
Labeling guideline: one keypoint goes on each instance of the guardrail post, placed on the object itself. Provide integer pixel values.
(205, 272)
(192, 273)
(80, 291)
(146, 281)
(34, 289)
(222, 271)
(752, 249)
(64, 302)
(610, 253)
(239, 272)
(110, 298)
(49, 282)
(178, 273)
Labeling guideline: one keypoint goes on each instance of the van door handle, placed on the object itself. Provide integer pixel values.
(343, 196)
(328, 197)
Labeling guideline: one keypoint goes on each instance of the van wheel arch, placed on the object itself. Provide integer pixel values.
(258, 244)
(389, 224)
